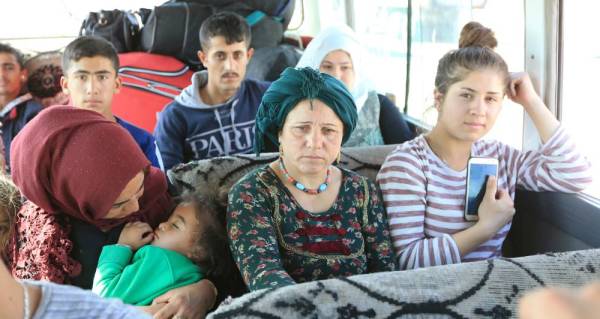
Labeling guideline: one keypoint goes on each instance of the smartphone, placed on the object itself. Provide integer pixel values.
(478, 171)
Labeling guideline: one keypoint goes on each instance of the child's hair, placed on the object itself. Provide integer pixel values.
(10, 204)
(45, 71)
(475, 53)
(211, 250)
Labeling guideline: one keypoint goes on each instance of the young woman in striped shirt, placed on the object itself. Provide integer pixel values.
(424, 180)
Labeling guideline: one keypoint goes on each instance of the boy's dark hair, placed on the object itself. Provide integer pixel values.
(7, 48)
(89, 47)
(10, 204)
(229, 25)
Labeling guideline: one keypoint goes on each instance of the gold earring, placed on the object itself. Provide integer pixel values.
(339, 157)
(280, 151)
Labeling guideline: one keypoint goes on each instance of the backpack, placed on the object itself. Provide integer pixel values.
(121, 28)
(281, 9)
(150, 81)
(268, 63)
(172, 29)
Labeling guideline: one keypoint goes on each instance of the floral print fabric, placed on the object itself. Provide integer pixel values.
(276, 242)
(40, 248)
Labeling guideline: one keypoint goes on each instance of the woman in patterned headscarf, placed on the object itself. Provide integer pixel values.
(300, 218)
(337, 52)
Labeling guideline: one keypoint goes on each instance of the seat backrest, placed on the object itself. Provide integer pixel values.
(212, 176)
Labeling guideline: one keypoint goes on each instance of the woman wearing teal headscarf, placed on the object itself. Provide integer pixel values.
(300, 218)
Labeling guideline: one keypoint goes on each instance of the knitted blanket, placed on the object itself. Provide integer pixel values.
(484, 289)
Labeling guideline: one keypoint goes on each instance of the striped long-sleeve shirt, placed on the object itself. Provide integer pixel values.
(425, 198)
(68, 302)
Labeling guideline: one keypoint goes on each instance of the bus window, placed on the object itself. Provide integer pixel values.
(382, 27)
(581, 64)
(317, 15)
(53, 24)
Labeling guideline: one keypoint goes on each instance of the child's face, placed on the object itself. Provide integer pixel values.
(179, 232)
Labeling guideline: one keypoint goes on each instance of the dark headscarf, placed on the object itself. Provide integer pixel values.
(292, 87)
(75, 162)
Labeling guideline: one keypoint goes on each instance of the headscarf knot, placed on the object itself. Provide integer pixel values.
(294, 86)
(311, 85)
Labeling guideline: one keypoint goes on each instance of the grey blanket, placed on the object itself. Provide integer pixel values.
(485, 289)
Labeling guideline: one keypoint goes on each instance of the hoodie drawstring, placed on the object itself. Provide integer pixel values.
(227, 146)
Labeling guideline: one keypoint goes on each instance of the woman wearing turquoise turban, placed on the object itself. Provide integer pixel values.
(300, 218)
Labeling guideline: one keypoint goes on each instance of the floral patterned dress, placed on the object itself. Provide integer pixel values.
(276, 242)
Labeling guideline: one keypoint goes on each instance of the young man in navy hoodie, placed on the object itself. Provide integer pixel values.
(214, 116)
(15, 109)
(90, 66)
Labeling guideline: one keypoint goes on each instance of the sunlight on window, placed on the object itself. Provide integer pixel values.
(53, 24)
(436, 26)
(581, 66)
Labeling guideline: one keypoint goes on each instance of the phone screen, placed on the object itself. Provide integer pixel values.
(478, 175)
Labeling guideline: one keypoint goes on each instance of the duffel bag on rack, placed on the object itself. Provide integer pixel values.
(121, 28)
(172, 29)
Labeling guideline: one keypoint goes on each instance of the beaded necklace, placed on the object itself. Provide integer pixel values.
(300, 186)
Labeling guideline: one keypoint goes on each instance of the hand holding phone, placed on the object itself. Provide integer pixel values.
(479, 169)
(496, 208)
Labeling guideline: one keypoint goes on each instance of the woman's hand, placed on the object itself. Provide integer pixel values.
(192, 301)
(152, 309)
(521, 90)
(136, 235)
(496, 209)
